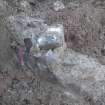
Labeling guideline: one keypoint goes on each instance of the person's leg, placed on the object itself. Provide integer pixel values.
(27, 58)
(27, 53)
(21, 55)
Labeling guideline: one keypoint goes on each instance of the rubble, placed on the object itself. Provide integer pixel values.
(51, 56)
(58, 5)
(72, 78)
(43, 36)
(83, 72)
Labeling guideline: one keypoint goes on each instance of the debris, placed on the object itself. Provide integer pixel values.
(13, 44)
(24, 5)
(51, 56)
(79, 79)
(53, 38)
(58, 5)
(48, 42)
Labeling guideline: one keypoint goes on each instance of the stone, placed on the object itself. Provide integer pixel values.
(58, 5)
(81, 72)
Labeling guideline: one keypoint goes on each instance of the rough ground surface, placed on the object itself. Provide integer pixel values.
(79, 79)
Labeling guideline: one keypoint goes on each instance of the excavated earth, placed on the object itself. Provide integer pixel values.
(78, 78)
